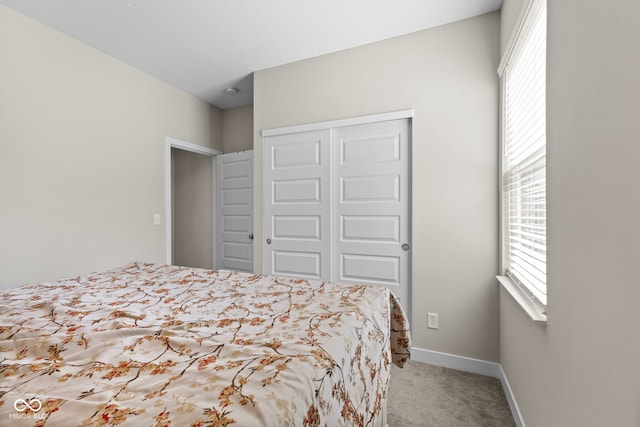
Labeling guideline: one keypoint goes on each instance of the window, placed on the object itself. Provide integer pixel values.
(523, 77)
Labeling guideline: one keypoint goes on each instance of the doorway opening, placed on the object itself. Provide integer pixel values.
(190, 210)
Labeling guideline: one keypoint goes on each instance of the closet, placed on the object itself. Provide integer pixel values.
(337, 204)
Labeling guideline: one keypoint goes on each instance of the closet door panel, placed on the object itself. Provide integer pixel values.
(297, 212)
(371, 205)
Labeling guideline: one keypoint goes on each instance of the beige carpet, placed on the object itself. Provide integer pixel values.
(427, 395)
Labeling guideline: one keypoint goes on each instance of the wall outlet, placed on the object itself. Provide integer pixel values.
(432, 320)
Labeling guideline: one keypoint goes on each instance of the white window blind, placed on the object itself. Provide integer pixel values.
(524, 155)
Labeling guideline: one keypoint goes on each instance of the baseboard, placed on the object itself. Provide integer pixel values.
(476, 366)
(513, 405)
(460, 363)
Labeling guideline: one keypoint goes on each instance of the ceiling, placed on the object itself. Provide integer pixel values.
(206, 46)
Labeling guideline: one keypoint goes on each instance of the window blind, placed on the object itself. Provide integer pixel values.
(524, 155)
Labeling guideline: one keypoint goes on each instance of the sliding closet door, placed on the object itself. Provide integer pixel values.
(337, 205)
(371, 212)
(297, 204)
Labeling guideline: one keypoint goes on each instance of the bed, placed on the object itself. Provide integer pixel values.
(157, 345)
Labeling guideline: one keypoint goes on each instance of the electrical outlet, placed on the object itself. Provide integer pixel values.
(432, 320)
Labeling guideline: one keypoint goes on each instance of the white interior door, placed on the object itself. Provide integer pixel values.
(297, 204)
(371, 212)
(235, 212)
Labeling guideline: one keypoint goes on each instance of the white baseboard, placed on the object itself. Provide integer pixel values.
(513, 405)
(476, 366)
(460, 363)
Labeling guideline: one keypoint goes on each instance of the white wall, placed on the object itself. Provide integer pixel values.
(81, 154)
(447, 75)
(583, 369)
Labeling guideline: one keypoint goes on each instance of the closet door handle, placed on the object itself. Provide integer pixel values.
(268, 241)
(405, 247)
(251, 236)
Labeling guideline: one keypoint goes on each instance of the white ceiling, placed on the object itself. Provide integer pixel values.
(205, 46)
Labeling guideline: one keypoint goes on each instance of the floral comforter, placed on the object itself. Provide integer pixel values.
(155, 345)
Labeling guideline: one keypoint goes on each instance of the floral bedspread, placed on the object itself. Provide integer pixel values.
(156, 345)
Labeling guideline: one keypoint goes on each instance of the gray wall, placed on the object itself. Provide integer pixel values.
(448, 76)
(82, 154)
(510, 15)
(583, 369)
(192, 209)
(237, 129)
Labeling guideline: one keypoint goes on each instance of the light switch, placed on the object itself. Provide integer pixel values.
(156, 219)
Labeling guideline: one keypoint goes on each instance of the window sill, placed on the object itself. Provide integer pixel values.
(534, 310)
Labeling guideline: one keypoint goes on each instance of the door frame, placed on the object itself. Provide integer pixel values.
(360, 120)
(170, 143)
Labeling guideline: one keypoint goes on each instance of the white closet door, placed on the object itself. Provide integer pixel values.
(297, 205)
(235, 212)
(371, 212)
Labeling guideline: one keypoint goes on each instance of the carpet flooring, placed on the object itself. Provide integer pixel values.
(423, 395)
